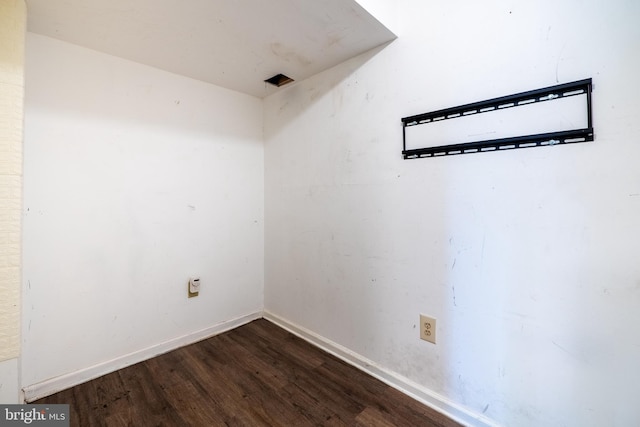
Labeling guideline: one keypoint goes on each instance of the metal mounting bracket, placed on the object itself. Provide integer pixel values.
(581, 87)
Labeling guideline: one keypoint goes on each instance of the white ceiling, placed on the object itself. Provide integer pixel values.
(235, 44)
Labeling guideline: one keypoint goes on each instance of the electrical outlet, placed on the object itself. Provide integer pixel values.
(428, 328)
(193, 288)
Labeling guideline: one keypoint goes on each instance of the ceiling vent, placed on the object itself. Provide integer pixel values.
(279, 80)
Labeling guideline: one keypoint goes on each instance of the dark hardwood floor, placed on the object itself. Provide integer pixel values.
(255, 375)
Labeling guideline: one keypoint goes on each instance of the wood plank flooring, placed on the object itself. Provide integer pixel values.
(255, 375)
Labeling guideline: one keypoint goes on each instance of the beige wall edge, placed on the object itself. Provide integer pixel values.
(13, 19)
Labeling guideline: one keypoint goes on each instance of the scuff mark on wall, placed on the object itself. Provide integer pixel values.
(288, 55)
(453, 289)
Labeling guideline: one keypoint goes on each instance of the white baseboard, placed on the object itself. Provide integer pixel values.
(62, 382)
(406, 386)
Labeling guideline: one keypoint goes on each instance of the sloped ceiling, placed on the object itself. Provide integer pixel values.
(235, 44)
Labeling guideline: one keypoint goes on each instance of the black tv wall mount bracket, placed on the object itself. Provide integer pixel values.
(544, 95)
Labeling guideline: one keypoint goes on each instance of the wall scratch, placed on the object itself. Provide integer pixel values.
(563, 349)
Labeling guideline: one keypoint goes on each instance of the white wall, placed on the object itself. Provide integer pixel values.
(528, 259)
(9, 381)
(135, 179)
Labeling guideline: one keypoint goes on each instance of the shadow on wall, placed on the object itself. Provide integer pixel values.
(96, 87)
(296, 99)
